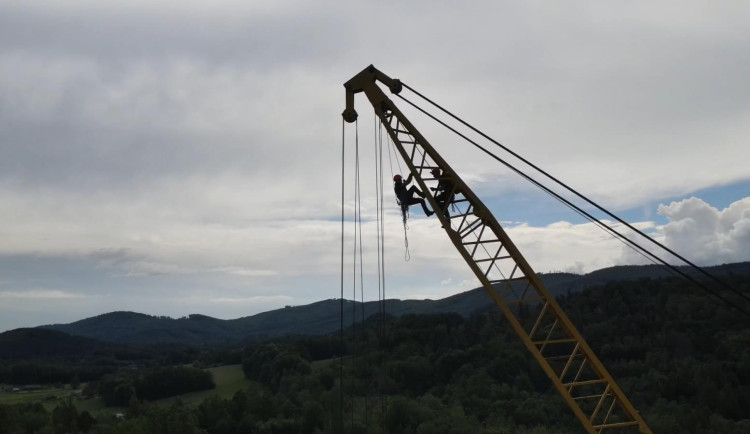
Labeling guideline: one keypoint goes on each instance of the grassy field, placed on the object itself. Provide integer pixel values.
(49, 398)
(43, 395)
(228, 379)
(319, 365)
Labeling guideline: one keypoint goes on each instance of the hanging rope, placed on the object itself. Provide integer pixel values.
(378, 229)
(355, 251)
(358, 267)
(378, 205)
(403, 207)
(390, 159)
(381, 277)
(407, 255)
(341, 300)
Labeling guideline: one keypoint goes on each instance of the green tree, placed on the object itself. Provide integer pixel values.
(75, 382)
(65, 418)
(212, 412)
(269, 363)
(312, 417)
(85, 421)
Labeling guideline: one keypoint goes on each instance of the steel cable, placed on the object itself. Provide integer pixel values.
(582, 212)
(581, 196)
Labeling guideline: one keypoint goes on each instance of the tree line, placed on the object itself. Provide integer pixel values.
(164, 382)
(681, 357)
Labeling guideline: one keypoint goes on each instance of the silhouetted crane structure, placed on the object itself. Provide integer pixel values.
(546, 331)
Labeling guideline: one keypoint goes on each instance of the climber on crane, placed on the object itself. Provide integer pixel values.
(406, 197)
(444, 192)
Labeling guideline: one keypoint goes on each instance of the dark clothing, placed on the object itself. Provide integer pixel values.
(444, 193)
(406, 197)
(402, 194)
(409, 200)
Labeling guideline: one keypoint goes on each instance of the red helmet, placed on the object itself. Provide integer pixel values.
(397, 178)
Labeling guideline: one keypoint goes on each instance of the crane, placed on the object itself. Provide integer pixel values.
(546, 331)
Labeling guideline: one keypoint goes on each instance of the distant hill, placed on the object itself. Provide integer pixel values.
(26, 342)
(323, 317)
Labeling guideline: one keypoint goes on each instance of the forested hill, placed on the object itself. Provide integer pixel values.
(27, 342)
(681, 356)
(323, 317)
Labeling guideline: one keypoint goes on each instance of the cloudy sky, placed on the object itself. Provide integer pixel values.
(177, 157)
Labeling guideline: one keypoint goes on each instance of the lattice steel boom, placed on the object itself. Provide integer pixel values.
(532, 311)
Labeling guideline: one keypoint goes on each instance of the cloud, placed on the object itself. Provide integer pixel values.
(568, 247)
(245, 272)
(192, 150)
(706, 235)
(39, 294)
(274, 300)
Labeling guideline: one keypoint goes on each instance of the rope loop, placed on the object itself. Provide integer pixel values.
(407, 254)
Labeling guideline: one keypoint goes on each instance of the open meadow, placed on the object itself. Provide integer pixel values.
(228, 379)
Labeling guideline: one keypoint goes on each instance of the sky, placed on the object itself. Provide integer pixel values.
(179, 157)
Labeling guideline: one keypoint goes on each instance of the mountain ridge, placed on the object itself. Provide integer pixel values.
(26, 342)
(322, 317)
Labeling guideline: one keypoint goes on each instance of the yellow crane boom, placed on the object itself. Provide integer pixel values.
(550, 336)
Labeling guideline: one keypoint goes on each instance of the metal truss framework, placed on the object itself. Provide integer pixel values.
(532, 311)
